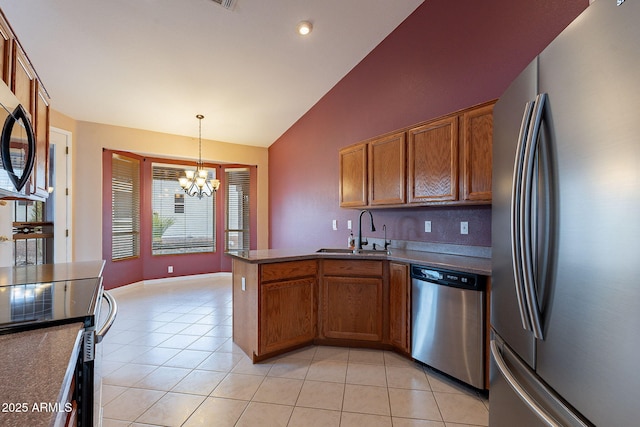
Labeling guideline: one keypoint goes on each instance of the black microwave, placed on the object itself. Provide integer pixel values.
(17, 145)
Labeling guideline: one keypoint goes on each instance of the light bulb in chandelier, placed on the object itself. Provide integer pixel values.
(197, 182)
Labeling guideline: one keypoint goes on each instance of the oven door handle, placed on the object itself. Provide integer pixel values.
(113, 311)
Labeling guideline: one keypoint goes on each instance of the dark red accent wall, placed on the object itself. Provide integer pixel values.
(444, 57)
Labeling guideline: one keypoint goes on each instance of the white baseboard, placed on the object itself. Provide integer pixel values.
(155, 282)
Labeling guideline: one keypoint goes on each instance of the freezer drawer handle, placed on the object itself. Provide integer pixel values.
(520, 391)
(113, 311)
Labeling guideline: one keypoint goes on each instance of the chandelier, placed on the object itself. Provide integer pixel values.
(197, 183)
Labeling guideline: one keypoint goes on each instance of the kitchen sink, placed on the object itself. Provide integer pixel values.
(351, 251)
(335, 251)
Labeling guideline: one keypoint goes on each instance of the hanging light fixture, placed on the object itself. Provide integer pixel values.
(197, 183)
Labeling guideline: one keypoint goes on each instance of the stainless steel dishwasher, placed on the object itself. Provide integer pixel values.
(447, 322)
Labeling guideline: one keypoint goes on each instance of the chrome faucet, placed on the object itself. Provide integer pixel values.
(373, 228)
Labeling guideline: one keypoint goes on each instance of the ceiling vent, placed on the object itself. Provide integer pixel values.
(227, 4)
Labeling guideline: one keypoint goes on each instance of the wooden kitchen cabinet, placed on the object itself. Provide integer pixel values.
(387, 170)
(274, 306)
(353, 176)
(400, 307)
(5, 50)
(21, 78)
(352, 300)
(287, 306)
(445, 161)
(433, 161)
(39, 181)
(476, 155)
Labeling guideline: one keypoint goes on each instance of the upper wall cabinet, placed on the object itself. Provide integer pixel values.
(372, 173)
(5, 51)
(433, 161)
(353, 176)
(40, 176)
(387, 168)
(476, 157)
(19, 76)
(445, 161)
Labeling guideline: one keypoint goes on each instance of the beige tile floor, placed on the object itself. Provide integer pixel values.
(169, 360)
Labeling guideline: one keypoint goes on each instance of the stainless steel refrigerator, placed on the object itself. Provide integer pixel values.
(565, 300)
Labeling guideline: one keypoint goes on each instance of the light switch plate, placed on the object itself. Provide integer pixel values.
(349, 224)
(427, 226)
(335, 224)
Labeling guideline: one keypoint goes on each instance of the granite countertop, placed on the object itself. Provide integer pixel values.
(456, 262)
(36, 371)
(50, 272)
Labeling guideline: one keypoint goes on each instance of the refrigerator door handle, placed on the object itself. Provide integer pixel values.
(516, 207)
(526, 216)
(520, 391)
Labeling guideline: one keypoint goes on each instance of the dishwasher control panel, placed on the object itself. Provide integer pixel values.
(447, 277)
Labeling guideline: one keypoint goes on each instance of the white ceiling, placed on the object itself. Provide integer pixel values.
(155, 64)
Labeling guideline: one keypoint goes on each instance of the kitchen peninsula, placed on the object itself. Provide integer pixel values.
(288, 298)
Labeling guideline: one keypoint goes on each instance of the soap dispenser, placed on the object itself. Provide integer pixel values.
(351, 243)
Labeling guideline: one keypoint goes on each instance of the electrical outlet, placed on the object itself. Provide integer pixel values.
(464, 227)
(335, 224)
(427, 226)
(170, 269)
(349, 224)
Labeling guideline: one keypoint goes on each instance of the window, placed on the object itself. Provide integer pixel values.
(181, 224)
(237, 236)
(125, 207)
(32, 233)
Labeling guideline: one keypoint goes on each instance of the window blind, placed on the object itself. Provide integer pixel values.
(237, 236)
(125, 207)
(181, 224)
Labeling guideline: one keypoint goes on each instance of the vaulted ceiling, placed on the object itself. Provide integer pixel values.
(155, 64)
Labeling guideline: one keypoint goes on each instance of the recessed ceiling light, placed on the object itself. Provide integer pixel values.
(304, 28)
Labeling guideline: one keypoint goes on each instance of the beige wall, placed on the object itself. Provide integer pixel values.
(90, 138)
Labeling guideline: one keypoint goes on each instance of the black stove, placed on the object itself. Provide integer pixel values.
(35, 305)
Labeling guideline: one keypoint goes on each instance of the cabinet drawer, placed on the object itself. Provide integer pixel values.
(352, 267)
(288, 270)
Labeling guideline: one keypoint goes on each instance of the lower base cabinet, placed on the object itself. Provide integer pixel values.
(287, 314)
(281, 306)
(352, 300)
(352, 308)
(274, 306)
(400, 307)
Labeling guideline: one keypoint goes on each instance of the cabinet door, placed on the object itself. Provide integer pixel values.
(287, 314)
(353, 176)
(399, 306)
(387, 177)
(23, 80)
(477, 146)
(40, 176)
(5, 51)
(433, 162)
(352, 308)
